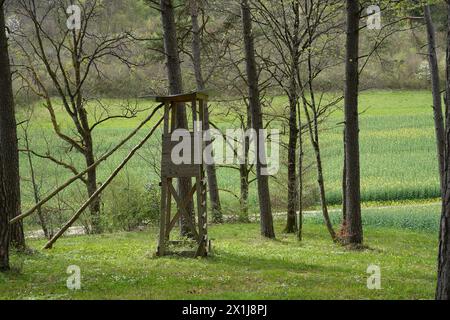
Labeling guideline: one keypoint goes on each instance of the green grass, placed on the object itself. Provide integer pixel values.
(420, 218)
(244, 266)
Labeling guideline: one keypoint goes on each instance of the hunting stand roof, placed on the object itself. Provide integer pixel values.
(180, 98)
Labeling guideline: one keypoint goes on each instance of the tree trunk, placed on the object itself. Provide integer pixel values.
(313, 127)
(267, 229)
(437, 98)
(344, 194)
(291, 224)
(176, 87)
(243, 174)
(323, 198)
(244, 171)
(4, 217)
(91, 185)
(210, 169)
(443, 282)
(17, 235)
(353, 189)
(85, 131)
(300, 176)
(10, 205)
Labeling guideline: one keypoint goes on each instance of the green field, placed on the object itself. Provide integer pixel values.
(398, 157)
(244, 266)
(398, 148)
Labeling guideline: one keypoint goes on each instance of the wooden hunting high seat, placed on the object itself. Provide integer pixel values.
(194, 168)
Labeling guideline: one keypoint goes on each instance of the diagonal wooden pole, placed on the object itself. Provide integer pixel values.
(78, 176)
(100, 190)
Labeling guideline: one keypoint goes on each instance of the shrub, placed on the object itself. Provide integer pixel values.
(128, 205)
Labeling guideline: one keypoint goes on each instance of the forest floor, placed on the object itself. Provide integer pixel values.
(243, 265)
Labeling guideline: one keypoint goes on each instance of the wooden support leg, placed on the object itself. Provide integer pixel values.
(199, 213)
(202, 250)
(169, 212)
(205, 216)
(162, 228)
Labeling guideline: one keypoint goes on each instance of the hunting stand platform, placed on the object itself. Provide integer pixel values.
(193, 169)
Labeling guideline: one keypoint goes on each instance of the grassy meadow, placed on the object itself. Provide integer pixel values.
(243, 266)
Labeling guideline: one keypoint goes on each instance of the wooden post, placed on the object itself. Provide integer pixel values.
(169, 212)
(201, 191)
(163, 236)
(162, 227)
(204, 189)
